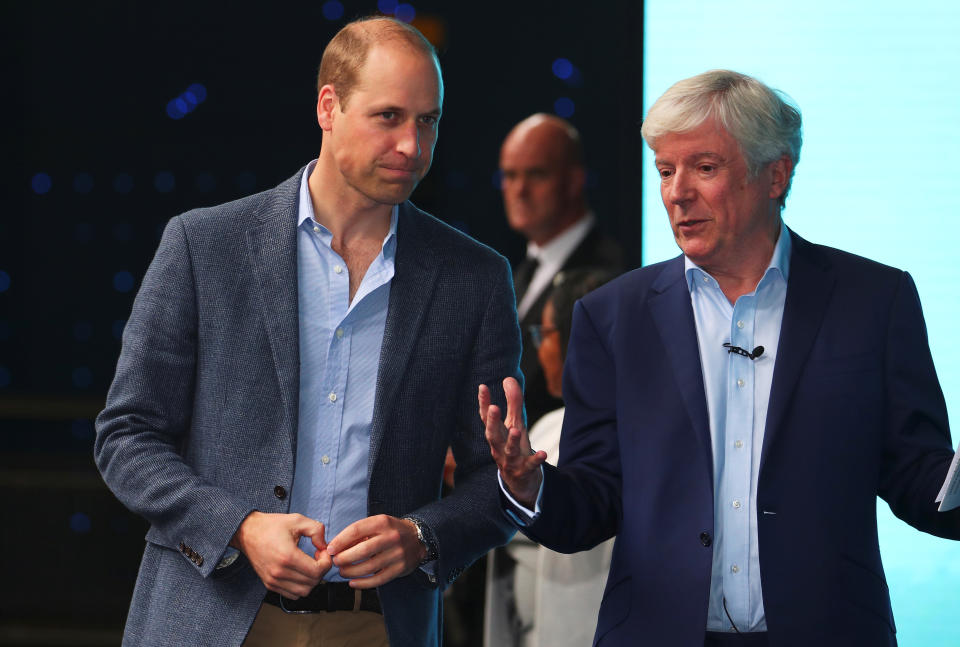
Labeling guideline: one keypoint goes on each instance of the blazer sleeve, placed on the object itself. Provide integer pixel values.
(142, 430)
(468, 522)
(581, 502)
(917, 446)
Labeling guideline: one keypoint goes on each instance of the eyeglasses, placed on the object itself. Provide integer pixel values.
(538, 332)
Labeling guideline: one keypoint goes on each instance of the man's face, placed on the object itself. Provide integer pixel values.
(537, 183)
(382, 140)
(720, 217)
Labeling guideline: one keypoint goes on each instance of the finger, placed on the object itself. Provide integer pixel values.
(483, 399)
(298, 567)
(377, 579)
(318, 538)
(514, 397)
(496, 433)
(354, 534)
(517, 445)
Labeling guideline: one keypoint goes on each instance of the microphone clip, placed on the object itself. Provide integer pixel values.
(757, 352)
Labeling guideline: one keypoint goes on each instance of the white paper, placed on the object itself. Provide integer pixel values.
(949, 497)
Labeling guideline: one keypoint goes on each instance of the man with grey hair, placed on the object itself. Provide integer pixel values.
(732, 414)
(295, 367)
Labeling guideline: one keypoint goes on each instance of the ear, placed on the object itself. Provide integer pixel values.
(576, 182)
(327, 105)
(780, 176)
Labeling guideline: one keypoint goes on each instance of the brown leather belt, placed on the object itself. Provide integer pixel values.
(328, 596)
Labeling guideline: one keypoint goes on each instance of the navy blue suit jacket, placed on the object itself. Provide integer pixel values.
(855, 412)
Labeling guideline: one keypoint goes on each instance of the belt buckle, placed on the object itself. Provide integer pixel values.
(284, 608)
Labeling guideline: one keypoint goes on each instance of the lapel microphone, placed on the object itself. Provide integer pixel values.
(757, 352)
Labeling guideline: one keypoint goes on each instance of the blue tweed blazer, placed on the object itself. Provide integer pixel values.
(200, 425)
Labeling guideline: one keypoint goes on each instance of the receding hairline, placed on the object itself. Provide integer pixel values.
(347, 52)
(551, 128)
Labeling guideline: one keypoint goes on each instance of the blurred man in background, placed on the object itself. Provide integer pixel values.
(544, 194)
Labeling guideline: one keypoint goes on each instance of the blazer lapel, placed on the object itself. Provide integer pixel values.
(809, 287)
(415, 273)
(673, 315)
(272, 250)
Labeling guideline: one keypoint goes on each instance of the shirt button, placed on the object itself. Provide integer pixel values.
(338, 269)
(339, 333)
(333, 397)
(738, 444)
(316, 229)
(740, 324)
(706, 280)
(732, 630)
(324, 459)
(734, 569)
(740, 382)
(736, 503)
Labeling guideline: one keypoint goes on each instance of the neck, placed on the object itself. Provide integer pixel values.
(348, 214)
(566, 222)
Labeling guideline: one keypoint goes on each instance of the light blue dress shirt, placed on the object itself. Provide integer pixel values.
(738, 392)
(340, 345)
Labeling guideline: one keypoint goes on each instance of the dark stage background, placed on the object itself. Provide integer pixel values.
(103, 154)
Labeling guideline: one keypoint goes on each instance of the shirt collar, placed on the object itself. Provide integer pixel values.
(557, 250)
(779, 262)
(305, 213)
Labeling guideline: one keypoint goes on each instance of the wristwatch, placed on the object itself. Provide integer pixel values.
(426, 538)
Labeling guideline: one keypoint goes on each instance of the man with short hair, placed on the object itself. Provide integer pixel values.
(544, 181)
(732, 414)
(296, 364)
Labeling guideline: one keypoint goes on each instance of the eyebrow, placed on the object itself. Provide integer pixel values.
(698, 155)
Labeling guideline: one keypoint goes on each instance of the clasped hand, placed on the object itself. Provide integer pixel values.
(510, 445)
(369, 552)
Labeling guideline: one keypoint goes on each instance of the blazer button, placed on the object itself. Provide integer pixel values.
(280, 492)
(706, 539)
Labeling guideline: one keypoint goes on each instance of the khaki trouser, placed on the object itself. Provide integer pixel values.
(273, 627)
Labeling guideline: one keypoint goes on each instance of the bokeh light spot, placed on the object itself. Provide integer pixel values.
(564, 107)
(387, 6)
(4, 281)
(174, 111)
(198, 91)
(332, 10)
(562, 68)
(80, 523)
(41, 183)
(164, 182)
(405, 12)
(123, 281)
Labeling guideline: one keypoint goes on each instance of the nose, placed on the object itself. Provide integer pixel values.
(679, 191)
(408, 142)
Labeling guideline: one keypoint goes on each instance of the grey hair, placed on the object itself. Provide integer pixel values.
(765, 122)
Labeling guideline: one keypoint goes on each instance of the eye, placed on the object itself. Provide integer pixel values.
(388, 115)
(429, 120)
(665, 173)
(707, 168)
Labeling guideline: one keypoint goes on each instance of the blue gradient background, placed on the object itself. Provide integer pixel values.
(877, 84)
